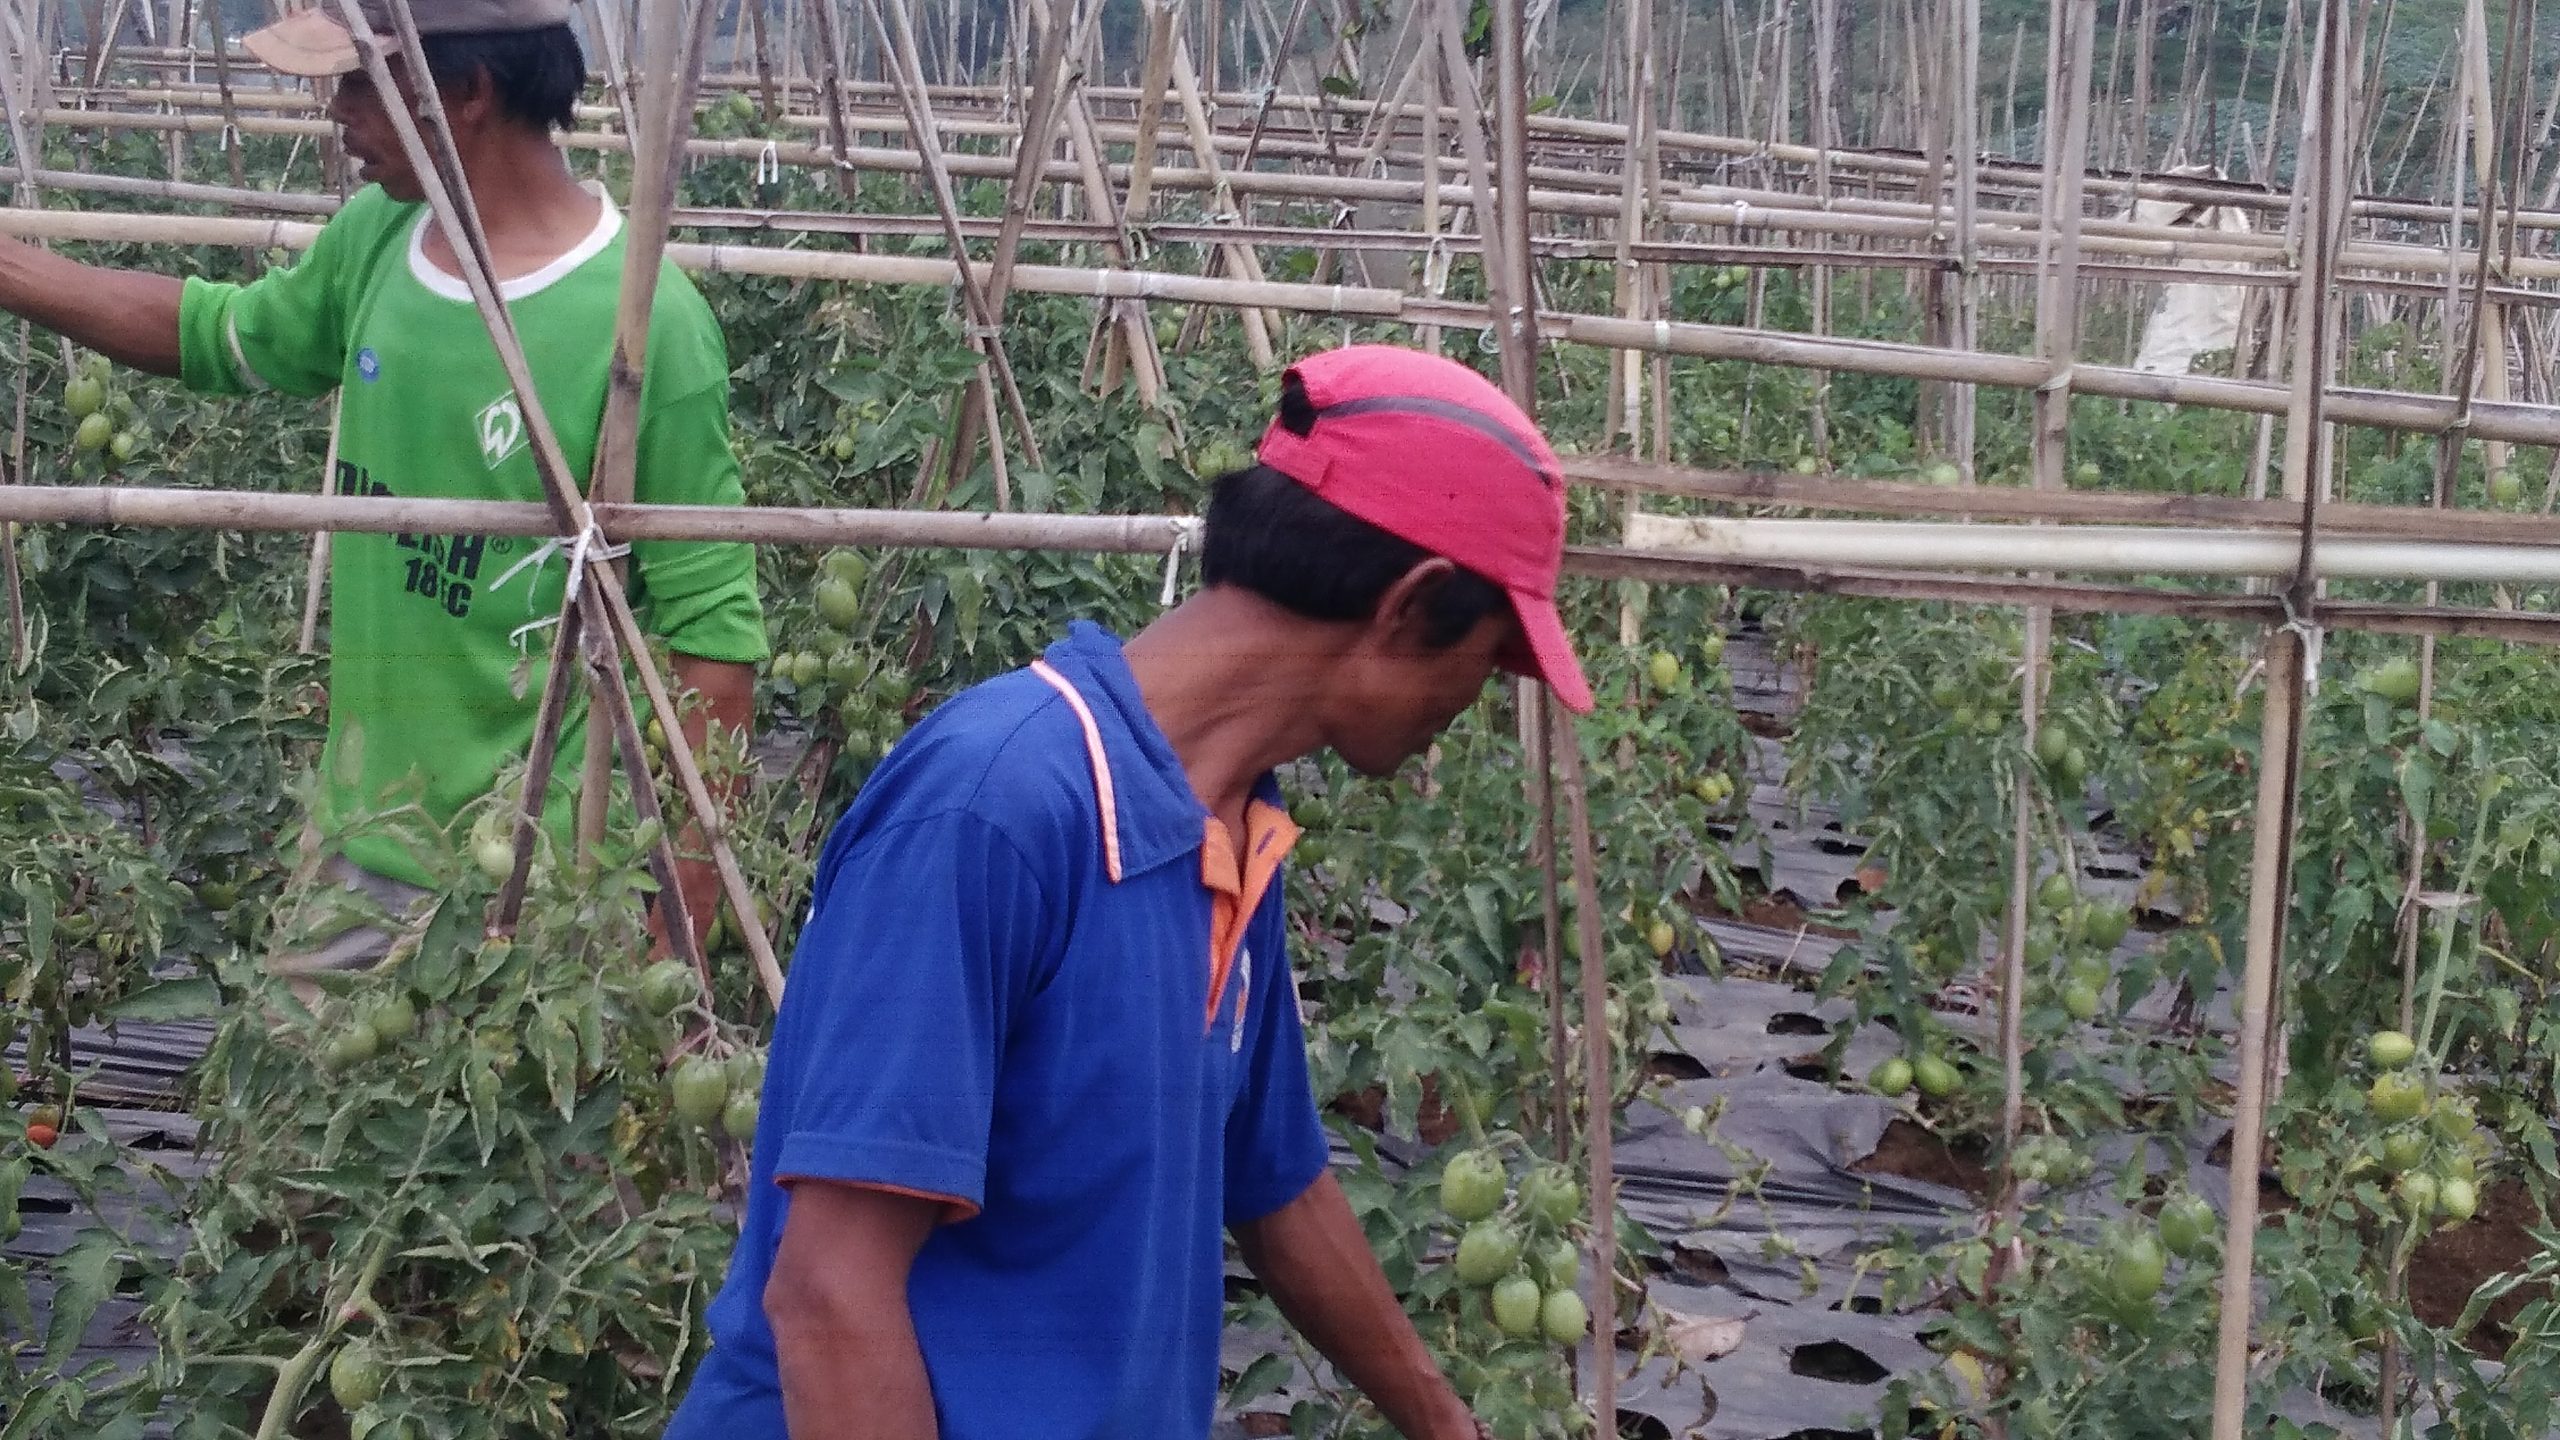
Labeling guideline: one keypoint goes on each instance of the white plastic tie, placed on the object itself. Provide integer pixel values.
(1662, 335)
(769, 164)
(1187, 531)
(1741, 214)
(588, 546)
(2309, 632)
(1337, 300)
(230, 136)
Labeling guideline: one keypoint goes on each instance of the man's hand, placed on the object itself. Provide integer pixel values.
(130, 316)
(1313, 1258)
(728, 697)
(843, 1337)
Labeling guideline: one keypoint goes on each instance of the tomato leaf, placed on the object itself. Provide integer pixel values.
(184, 999)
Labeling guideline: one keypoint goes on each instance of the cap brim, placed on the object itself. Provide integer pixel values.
(1550, 651)
(308, 42)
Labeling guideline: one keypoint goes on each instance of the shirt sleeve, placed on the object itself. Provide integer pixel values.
(285, 330)
(921, 948)
(700, 596)
(1276, 1144)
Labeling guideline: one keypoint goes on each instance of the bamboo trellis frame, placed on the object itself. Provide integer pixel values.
(1530, 188)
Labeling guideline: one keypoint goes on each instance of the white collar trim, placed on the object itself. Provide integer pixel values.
(451, 287)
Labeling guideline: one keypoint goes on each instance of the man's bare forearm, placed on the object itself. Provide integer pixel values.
(130, 316)
(1314, 1259)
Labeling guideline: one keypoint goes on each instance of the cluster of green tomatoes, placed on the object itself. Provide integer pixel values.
(870, 692)
(1517, 1246)
(108, 421)
(2431, 1144)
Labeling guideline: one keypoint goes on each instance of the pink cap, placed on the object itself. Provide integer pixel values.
(1428, 450)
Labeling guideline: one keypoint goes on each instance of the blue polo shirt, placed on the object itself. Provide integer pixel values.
(1012, 996)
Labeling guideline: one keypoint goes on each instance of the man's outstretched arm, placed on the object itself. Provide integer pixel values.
(130, 316)
(1314, 1259)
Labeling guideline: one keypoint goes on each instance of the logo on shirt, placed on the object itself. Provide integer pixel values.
(368, 365)
(501, 430)
(441, 569)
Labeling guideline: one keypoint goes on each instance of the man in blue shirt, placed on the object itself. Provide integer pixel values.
(1041, 1047)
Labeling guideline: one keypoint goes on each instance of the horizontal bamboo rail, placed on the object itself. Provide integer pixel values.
(1731, 208)
(2387, 410)
(254, 511)
(1597, 136)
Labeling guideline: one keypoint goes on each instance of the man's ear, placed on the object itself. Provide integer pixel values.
(471, 101)
(1402, 619)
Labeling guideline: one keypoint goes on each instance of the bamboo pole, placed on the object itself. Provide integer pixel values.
(668, 61)
(823, 34)
(315, 578)
(2325, 115)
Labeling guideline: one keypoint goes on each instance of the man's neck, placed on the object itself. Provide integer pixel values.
(1227, 676)
(532, 209)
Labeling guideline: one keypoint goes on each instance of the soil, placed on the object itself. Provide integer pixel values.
(1913, 1153)
(1775, 912)
(2451, 1264)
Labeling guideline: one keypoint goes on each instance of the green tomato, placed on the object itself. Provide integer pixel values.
(841, 447)
(2135, 1267)
(848, 566)
(848, 665)
(357, 1376)
(2079, 1001)
(1891, 1077)
(700, 1088)
(2505, 488)
(2075, 767)
(2404, 1149)
(2457, 1199)
(93, 434)
(839, 604)
(124, 445)
(2086, 473)
(2397, 1096)
(2395, 680)
(1557, 1265)
(1942, 472)
(2055, 893)
(1659, 937)
(1711, 649)
(1516, 1304)
(2417, 1194)
(2187, 1223)
(94, 366)
(1471, 1188)
(1936, 1078)
(2390, 1049)
(2103, 926)
(350, 1047)
(1551, 1194)
(1488, 1251)
(668, 986)
(1663, 669)
(738, 1117)
(1562, 1317)
(393, 1019)
(84, 395)
(2051, 746)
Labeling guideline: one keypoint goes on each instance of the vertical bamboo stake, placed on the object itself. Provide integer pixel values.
(1822, 128)
(2279, 752)
(1239, 260)
(2069, 51)
(823, 34)
(1435, 255)
(315, 579)
(667, 60)
(1965, 115)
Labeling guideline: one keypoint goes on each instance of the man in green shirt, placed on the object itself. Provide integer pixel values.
(429, 633)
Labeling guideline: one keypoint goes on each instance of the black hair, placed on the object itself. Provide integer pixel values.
(1277, 538)
(536, 76)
